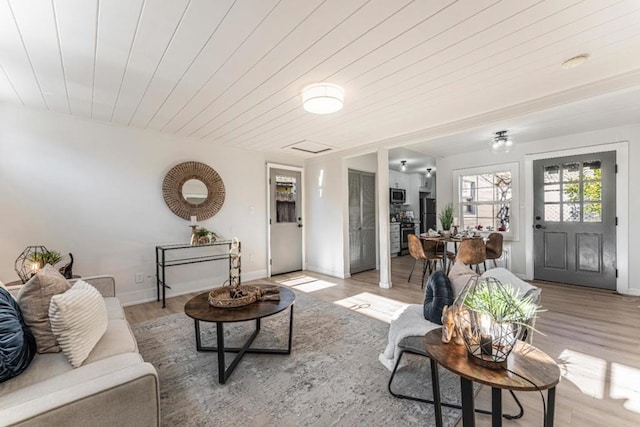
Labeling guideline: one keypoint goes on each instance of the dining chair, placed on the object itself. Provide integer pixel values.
(439, 251)
(416, 250)
(494, 248)
(472, 252)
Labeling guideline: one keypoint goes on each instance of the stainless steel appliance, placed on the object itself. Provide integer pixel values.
(427, 214)
(397, 195)
(406, 228)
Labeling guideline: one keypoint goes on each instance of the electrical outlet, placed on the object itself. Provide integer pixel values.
(139, 277)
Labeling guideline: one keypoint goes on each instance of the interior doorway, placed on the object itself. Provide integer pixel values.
(362, 221)
(285, 220)
(575, 219)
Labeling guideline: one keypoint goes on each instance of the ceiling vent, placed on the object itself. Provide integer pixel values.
(309, 147)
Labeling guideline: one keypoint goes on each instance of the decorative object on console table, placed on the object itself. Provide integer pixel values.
(491, 318)
(202, 236)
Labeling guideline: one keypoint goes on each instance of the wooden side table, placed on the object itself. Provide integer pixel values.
(525, 360)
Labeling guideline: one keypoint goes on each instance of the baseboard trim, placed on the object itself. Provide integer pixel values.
(339, 275)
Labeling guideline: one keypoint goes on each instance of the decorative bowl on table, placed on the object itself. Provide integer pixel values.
(221, 297)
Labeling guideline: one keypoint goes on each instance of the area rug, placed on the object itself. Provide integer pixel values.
(333, 376)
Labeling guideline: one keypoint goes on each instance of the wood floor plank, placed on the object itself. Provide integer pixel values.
(593, 334)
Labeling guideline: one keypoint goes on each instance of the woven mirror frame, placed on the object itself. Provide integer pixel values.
(183, 172)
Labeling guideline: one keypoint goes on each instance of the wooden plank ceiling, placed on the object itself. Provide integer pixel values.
(231, 71)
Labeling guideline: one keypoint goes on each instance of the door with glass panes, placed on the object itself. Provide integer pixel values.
(285, 220)
(575, 220)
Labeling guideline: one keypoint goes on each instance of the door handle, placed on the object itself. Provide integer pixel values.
(299, 225)
(538, 226)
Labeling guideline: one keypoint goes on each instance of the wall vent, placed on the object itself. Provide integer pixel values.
(308, 147)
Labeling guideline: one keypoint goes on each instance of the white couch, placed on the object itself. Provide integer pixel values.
(113, 387)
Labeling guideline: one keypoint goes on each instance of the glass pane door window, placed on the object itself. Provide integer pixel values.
(573, 192)
(286, 197)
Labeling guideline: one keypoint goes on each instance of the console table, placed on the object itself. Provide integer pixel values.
(184, 253)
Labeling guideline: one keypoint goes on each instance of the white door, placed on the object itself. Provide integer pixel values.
(285, 220)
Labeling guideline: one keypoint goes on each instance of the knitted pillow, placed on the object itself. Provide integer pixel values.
(78, 321)
(34, 298)
(17, 344)
(438, 294)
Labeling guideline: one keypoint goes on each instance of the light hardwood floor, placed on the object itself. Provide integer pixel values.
(593, 334)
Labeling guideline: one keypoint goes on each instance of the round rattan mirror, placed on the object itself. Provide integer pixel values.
(174, 196)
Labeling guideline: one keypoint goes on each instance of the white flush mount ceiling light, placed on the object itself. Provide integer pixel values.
(428, 174)
(322, 98)
(501, 141)
(575, 61)
(404, 165)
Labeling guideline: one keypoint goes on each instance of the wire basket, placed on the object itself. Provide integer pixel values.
(221, 297)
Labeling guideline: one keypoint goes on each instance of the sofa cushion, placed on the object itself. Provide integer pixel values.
(118, 339)
(17, 344)
(438, 294)
(34, 298)
(26, 387)
(459, 275)
(78, 320)
(114, 309)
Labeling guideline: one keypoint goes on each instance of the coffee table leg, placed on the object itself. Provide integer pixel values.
(496, 407)
(551, 407)
(435, 385)
(222, 378)
(468, 417)
(290, 328)
(198, 342)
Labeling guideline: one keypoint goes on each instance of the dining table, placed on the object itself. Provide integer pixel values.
(445, 240)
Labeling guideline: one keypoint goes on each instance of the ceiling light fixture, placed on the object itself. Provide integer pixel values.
(322, 98)
(428, 175)
(575, 61)
(501, 142)
(404, 165)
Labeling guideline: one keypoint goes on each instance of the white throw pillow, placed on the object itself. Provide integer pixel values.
(78, 320)
(459, 275)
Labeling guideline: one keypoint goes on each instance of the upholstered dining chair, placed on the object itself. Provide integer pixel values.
(416, 250)
(494, 248)
(472, 252)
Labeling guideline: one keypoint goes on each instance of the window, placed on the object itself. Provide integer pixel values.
(286, 196)
(573, 192)
(486, 198)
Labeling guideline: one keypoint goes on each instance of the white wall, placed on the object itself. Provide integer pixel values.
(94, 189)
(325, 188)
(445, 185)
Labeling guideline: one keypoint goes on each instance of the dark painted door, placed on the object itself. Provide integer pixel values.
(575, 219)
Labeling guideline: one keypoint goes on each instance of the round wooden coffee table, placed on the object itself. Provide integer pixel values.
(526, 365)
(198, 308)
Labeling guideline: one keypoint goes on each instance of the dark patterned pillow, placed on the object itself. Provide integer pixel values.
(17, 344)
(438, 294)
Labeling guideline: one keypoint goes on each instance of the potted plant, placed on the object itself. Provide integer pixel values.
(205, 236)
(446, 217)
(40, 259)
(493, 317)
